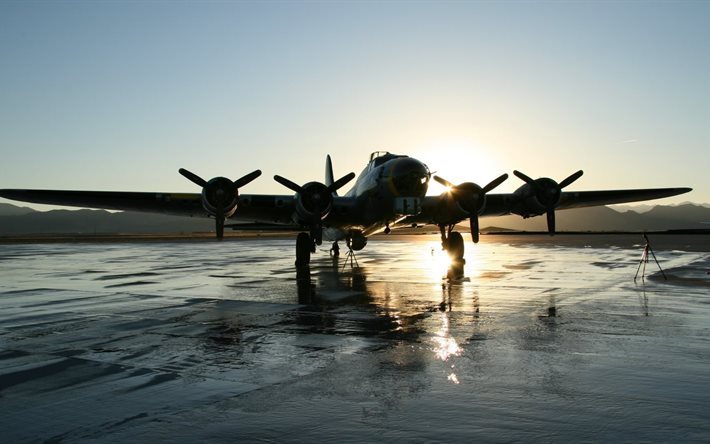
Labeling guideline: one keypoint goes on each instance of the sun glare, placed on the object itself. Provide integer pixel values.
(439, 261)
(446, 346)
(458, 160)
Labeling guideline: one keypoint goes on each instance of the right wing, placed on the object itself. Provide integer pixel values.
(177, 204)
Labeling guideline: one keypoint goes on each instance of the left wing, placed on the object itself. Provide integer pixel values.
(454, 207)
(501, 204)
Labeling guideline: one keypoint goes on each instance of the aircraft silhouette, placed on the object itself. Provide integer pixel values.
(389, 193)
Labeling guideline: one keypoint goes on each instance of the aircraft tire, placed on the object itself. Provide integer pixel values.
(455, 247)
(303, 250)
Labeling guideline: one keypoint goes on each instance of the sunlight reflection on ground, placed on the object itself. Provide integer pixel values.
(198, 341)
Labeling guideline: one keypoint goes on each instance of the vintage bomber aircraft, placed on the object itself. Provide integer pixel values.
(389, 193)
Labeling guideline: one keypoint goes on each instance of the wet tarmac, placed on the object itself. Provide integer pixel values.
(180, 342)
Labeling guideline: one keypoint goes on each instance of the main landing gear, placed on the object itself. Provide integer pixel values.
(305, 245)
(452, 242)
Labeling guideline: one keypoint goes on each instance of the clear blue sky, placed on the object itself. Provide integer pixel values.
(119, 95)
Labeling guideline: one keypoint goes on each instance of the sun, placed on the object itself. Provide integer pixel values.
(458, 160)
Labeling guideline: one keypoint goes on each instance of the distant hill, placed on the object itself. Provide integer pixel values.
(12, 210)
(687, 216)
(16, 220)
(642, 208)
(96, 222)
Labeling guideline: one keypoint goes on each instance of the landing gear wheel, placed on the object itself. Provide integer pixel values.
(303, 250)
(455, 247)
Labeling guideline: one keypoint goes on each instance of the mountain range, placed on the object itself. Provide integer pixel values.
(15, 220)
(22, 220)
(659, 218)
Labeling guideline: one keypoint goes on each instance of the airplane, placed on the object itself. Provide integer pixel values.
(389, 193)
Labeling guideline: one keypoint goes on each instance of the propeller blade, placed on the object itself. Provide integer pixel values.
(219, 224)
(474, 228)
(571, 179)
(495, 183)
(444, 182)
(523, 177)
(192, 177)
(246, 179)
(329, 179)
(551, 221)
(288, 184)
(341, 182)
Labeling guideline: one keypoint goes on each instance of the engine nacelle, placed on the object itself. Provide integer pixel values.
(534, 200)
(460, 202)
(219, 193)
(313, 203)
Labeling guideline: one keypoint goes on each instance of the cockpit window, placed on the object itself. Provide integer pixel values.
(377, 154)
(380, 157)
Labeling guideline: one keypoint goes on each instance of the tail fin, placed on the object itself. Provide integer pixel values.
(329, 172)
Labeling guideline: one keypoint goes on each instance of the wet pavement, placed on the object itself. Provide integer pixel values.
(221, 341)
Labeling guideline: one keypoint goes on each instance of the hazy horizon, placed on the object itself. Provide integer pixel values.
(16, 221)
(639, 207)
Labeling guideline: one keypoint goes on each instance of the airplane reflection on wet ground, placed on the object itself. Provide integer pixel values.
(184, 342)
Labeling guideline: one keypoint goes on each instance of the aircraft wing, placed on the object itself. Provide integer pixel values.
(254, 207)
(439, 208)
(188, 204)
(260, 226)
(594, 198)
(500, 204)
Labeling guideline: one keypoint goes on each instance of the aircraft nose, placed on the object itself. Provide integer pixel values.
(410, 177)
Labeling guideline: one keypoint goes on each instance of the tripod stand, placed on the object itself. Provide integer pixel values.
(350, 256)
(644, 260)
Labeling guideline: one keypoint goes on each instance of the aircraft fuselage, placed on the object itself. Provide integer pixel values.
(389, 189)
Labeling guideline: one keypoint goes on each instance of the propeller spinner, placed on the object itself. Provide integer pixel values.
(471, 198)
(548, 193)
(219, 195)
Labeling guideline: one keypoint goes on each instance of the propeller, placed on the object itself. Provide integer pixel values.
(471, 198)
(548, 193)
(299, 189)
(315, 200)
(219, 195)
